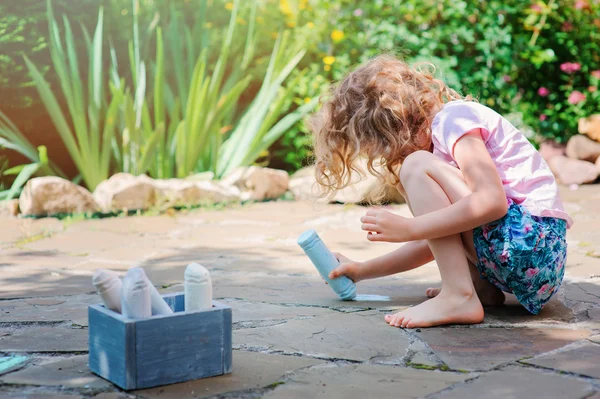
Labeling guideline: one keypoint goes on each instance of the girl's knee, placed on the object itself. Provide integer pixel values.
(415, 164)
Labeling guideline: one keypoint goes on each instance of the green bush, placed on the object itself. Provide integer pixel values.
(512, 55)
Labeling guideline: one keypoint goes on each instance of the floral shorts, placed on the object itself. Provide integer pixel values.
(524, 255)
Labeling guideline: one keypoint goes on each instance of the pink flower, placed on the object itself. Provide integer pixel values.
(592, 89)
(543, 117)
(544, 289)
(570, 67)
(542, 91)
(486, 231)
(528, 228)
(503, 256)
(567, 26)
(536, 8)
(358, 12)
(581, 4)
(576, 97)
(507, 78)
(531, 272)
(596, 74)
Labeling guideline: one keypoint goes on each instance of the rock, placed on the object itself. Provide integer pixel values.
(549, 149)
(51, 195)
(202, 176)
(584, 148)
(258, 183)
(365, 189)
(573, 171)
(177, 192)
(125, 191)
(590, 126)
(9, 208)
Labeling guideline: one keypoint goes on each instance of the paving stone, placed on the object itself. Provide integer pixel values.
(19, 258)
(44, 301)
(69, 373)
(250, 371)
(516, 383)
(582, 360)
(514, 313)
(585, 291)
(244, 312)
(423, 355)
(486, 348)
(36, 395)
(313, 291)
(90, 242)
(423, 359)
(26, 282)
(12, 362)
(113, 395)
(47, 309)
(131, 225)
(43, 339)
(336, 336)
(363, 381)
(18, 230)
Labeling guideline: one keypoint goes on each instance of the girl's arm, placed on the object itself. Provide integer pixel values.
(487, 202)
(407, 257)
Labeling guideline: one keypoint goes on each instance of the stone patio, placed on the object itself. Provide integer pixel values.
(292, 338)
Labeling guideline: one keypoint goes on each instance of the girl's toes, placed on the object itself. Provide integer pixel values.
(388, 318)
(399, 320)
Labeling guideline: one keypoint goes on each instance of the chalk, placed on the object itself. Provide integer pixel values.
(108, 286)
(157, 303)
(197, 288)
(372, 298)
(325, 262)
(135, 295)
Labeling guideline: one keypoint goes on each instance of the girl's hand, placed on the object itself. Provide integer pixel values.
(347, 267)
(386, 226)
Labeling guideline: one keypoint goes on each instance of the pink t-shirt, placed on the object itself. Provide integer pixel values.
(526, 177)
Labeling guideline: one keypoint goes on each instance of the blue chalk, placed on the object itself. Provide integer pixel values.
(325, 262)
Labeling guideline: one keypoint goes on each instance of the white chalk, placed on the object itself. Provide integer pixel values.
(108, 285)
(159, 306)
(197, 288)
(135, 295)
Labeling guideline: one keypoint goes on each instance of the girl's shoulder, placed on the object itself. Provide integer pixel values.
(467, 107)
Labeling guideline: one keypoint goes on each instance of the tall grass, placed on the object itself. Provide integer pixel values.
(89, 124)
(11, 138)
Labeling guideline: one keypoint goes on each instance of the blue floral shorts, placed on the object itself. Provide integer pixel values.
(524, 255)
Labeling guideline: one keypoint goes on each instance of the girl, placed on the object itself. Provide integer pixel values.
(486, 205)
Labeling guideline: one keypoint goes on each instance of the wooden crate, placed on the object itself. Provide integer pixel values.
(135, 354)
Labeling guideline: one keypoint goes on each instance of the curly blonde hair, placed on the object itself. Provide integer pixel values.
(381, 111)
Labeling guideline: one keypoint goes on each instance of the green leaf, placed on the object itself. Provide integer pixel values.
(21, 179)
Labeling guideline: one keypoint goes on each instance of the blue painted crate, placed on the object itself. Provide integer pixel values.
(136, 354)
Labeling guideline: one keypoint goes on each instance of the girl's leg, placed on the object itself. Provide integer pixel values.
(430, 184)
(455, 189)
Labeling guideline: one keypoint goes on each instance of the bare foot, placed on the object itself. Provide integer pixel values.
(489, 296)
(442, 309)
